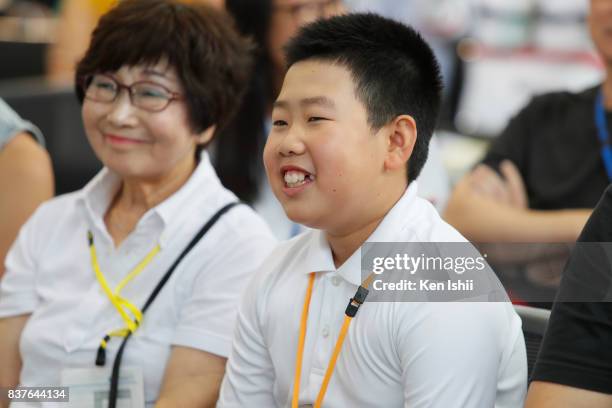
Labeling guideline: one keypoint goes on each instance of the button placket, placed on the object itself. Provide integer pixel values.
(322, 331)
(90, 309)
(333, 292)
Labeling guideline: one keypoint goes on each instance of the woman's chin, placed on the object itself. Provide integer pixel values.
(131, 170)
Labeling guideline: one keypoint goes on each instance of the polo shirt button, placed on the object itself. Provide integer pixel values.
(335, 280)
(325, 331)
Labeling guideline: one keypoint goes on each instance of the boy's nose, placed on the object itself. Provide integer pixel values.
(292, 143)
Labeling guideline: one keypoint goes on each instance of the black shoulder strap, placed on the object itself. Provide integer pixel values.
(188, 248)
(114, 386)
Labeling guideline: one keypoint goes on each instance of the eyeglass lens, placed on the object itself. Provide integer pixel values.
(144, 95)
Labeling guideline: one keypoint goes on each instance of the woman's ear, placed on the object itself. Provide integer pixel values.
(206, 135)
(401, 137)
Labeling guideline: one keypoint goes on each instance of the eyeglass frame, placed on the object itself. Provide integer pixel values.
(294, 9)
(86, 80)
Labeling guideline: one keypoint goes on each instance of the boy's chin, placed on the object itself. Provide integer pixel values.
(300, 216)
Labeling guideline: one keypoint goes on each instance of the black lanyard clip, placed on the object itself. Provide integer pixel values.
(356, 301)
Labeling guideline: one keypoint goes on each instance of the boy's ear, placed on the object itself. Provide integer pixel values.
(206, 135)
(402, 135)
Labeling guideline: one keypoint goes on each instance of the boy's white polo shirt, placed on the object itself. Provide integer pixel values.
(395, 354)
(49, 274)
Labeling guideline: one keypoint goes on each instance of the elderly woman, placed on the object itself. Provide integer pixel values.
(95, 267)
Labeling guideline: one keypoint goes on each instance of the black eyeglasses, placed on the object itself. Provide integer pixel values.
(148, 96)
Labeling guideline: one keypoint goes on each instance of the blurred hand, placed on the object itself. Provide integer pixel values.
(509, 189)
(486, 182)
(514, 184)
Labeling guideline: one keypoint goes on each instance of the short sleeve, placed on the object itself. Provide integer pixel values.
(11, 124)
(599, 226)
(249, 376)
(207, 318)
(577, 347)
(463, 354)
(18, 284)
(513, 143)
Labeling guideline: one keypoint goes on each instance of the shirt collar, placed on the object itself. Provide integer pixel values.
(96, 196)
(318, 255)
(171, 210)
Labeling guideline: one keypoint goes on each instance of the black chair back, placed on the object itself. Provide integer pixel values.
(57, 113)
(535, 321)
(22, 59)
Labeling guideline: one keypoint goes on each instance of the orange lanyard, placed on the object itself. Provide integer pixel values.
(351, 310)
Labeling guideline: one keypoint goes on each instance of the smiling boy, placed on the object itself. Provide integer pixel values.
(351, 129)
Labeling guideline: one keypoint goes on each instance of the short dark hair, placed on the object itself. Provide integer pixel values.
(212, 61)
(394, 70)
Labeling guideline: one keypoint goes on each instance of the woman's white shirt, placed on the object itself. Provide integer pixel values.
(49, 274)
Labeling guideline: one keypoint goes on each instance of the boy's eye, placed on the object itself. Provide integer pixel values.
(279, 123)
(315, 119)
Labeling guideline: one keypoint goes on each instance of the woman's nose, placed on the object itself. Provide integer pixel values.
(122, 111)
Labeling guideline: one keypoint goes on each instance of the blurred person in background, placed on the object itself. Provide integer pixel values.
(27, 8)
(26, 176)
(441, 22)
(544, 174)
(237, 155)
(574, 365)
(536, 46)
(86, 262)
(77, 19)
(238, 151)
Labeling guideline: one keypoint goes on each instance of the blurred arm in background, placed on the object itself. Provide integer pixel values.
(26, 180)
(487, 207)
(551, 395)
(10, 368)
(26, 175)
(76, 21)
(550, 173)
(539, 179)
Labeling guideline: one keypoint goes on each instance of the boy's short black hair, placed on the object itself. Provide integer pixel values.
(212, 61)
(394, 70)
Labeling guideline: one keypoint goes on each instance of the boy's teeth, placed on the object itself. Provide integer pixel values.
(296, 178)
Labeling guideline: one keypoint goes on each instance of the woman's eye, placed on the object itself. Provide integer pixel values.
(106, 85)
(151, 93)
(279, 123)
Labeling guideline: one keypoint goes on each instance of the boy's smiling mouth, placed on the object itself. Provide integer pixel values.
(295, 177)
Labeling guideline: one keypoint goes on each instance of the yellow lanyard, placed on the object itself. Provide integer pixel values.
(122, 305)
(351, 310)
